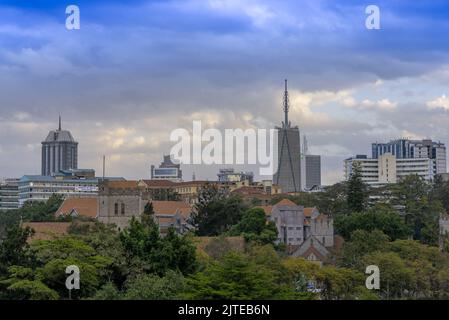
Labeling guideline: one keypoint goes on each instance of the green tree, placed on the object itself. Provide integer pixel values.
(147, 251)
(152, 287)
(254, 227)
(361, 243)
(258, 274)
(395, 276)
(357, 196)
(14, 249)
(215, 213)
(381, 217)
(421, 213)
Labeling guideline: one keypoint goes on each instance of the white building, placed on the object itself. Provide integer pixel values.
(386, 168)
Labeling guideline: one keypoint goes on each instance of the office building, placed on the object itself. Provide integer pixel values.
(9, 194)
(288, 174)
(167, 171)
(407, 149)
(59, 152)
(386, 168)
(68, 183)
(313, 171)
(229, 175)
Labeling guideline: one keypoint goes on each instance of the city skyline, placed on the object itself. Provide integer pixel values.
(222, 62)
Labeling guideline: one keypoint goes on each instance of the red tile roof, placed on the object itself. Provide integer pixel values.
(85, 207)
(171, 208)
(286, 202)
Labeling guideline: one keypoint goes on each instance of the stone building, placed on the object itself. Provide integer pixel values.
(306, 232)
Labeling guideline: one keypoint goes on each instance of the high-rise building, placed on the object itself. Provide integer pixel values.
(313, 171)
(288, 174)
(310, 168)
(406, 149)
(59, 152)
(167, 171)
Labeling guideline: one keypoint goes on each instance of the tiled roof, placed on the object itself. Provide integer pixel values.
(171, 208)
(47, 230)
(85, 207)
(159, 183)
(286, 202)
(308, 212)
(194, 183)
(266, 209)
(127, 184)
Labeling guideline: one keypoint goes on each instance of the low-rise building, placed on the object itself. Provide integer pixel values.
(229, 175)
(9, 194)
(386, 168)
(68, 183)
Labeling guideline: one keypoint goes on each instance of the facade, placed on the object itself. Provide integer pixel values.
(120, 201)
(412, 149)
(9, 194)
(313, 171)
(386, 168)
(229, 175)
(306, 232)
(68, 183)
(167, 170)
(288, 174)
(59, 152)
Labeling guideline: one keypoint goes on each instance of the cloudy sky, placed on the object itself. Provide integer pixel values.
(135, 72)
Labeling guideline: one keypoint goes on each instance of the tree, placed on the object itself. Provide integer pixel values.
(234, 277)
(421, 213)
(147, 251)
(255, 227)
(381, 217)
(357, 196)
(153, 287)
(395, 276)
(361, 243)
(215, 213)
(41, 211)
(54, 256)
(14, 249)
(440, 192)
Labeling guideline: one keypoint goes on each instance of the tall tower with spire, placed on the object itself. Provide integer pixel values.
(59, 151)
(288, 174)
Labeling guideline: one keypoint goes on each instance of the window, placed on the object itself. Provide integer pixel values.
(123, 208)
(116, 208)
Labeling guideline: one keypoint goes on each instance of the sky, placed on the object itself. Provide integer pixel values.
(136, 70)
